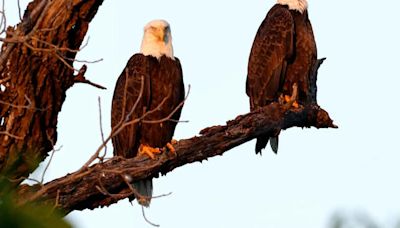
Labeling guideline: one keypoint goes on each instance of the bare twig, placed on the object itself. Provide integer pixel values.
(42, 7)
(124, 122)
(19, 10)
(58, 56)
(53, 47)
(83, 61)
(3, 19)
(128, 117)
(84, 45)
(101, 158)
(11, 135)
(105, 192)
(168, 118)
(133, 191)
(148, 221)
(25, 178)
(119, 126)
(28, 106)
(51, 157)
(15, 38)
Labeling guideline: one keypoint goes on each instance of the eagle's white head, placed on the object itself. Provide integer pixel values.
(157, 39)
(299, 5)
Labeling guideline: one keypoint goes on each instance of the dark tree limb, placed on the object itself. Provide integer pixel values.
(105, 183)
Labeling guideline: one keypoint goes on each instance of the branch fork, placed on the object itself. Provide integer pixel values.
(80, 78)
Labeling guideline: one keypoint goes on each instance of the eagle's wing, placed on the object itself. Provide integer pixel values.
(272, 48)
(300, 70)
(167, 94)
(178, 90)
(130, 101)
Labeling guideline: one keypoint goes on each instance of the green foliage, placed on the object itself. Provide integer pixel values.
(356, 220)
(31, 215)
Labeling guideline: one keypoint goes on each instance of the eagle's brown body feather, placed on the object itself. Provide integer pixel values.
(163, 84)
(283, 53)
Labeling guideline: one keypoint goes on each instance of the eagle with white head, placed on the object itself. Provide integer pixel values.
(150, 87)
(157, 39)
(283, 54)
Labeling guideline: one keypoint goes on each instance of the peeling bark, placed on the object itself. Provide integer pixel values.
(35, 69)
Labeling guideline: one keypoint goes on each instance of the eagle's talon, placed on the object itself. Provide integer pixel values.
(288, 99)
(295, 104)
(149, 151)
(171, 148)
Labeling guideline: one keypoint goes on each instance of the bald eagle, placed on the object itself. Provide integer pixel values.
(283, 53)
(150, 87)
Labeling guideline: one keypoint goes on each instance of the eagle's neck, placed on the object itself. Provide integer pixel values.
(299, 5)
(152, 45)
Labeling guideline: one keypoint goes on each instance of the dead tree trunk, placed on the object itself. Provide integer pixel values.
(35, 72)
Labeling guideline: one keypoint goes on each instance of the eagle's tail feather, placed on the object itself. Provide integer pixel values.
(145, 189)
(263, 141)
(274, 144)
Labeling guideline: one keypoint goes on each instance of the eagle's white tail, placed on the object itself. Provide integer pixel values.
(274, 144)
(145, 189)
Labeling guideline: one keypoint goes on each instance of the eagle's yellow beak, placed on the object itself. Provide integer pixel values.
(158, 32)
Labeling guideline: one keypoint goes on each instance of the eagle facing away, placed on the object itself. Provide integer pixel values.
(283, 54)
(150, 87)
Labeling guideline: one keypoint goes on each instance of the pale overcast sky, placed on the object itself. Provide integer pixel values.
(316, 173)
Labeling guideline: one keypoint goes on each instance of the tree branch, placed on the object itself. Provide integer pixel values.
(105, 183)
(81, 78)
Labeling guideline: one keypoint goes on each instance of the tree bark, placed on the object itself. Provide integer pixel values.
(105, 183)
(35, 73)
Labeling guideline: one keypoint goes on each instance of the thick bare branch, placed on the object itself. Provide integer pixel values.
(77, 191)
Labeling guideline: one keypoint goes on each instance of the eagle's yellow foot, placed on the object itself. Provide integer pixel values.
(170, 146)
(287, 99)
(149, 151)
